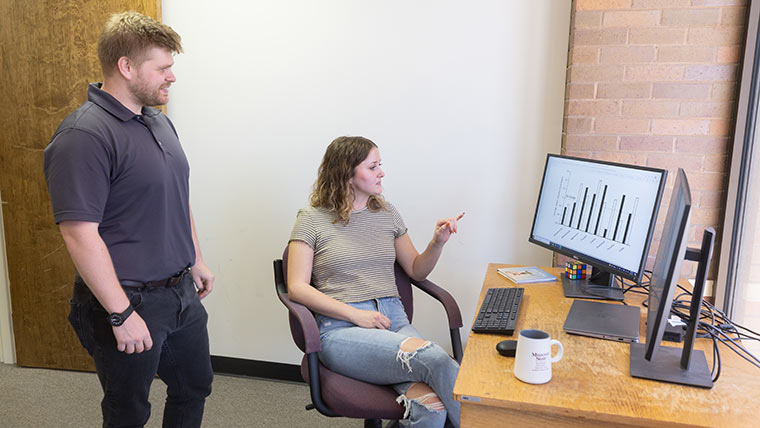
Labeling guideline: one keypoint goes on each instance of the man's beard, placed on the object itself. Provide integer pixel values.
(146, 95)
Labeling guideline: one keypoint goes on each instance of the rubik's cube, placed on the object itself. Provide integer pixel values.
(576, 270)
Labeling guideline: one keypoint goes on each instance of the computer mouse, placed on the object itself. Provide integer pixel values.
(507, 347)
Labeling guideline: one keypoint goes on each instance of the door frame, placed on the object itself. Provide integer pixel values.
(745, 137)
(7, 348)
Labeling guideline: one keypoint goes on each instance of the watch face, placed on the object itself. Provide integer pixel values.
(115, 320)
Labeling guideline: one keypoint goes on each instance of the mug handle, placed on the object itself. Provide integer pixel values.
(560, 351)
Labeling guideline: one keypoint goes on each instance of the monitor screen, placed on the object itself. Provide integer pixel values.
(601, 213)
(667, 265)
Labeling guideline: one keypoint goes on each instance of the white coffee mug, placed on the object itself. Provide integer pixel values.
(533, 360)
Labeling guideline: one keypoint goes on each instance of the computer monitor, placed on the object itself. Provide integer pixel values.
(600, 213)
(670, 364)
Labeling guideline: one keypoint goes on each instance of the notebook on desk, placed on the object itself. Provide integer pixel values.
(604, 321)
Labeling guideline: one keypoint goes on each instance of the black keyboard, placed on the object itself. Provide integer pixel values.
(499, 311)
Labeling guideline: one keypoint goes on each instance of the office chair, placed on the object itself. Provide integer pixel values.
(335, 395)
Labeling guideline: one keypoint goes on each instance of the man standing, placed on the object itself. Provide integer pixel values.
(119, 186)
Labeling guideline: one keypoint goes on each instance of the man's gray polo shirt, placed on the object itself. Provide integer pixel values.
(128, 173)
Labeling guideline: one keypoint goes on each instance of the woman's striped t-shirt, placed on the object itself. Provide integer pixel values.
(352, 262)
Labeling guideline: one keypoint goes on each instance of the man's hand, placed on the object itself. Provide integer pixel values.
(133, 336)
(203, 279)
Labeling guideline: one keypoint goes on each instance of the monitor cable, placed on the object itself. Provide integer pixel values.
(719, 328)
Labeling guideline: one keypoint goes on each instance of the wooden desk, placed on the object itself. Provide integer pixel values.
(591, 385)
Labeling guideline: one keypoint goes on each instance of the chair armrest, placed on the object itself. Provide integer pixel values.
(446, 299)
(302, 321)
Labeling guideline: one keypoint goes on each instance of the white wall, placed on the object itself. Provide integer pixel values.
(464, 100)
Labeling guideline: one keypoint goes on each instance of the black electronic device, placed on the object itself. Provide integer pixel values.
(684, 366)
(674, 332)
(601, 213)
(603, 320)
(499, 310)
(507, 348)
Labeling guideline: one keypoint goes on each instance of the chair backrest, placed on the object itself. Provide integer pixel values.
(404, 286)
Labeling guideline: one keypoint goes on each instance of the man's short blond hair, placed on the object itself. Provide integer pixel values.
(131, 34)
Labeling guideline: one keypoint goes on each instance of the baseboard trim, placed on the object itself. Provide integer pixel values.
(256, 368)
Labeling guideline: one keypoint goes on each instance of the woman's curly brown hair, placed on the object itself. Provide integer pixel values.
(332, 190)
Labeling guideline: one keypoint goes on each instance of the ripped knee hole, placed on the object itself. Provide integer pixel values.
(412, 344)
(408, 349)
(430, 401)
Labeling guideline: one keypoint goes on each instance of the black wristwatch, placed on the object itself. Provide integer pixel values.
(116, 319)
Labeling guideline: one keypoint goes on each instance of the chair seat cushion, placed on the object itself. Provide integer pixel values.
(353, 398)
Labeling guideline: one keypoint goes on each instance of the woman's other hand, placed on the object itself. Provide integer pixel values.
(371, 319)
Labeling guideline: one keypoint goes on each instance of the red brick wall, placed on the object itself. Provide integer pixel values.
(652, 82)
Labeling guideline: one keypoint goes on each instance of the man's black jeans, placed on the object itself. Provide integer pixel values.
(180, 354)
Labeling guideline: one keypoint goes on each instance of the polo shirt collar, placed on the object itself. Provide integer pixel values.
(110, 104)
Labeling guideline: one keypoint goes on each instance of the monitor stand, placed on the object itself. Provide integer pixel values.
(686, 365)
(666, 366)
(600, 286)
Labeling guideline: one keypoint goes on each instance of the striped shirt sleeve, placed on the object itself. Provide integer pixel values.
(304, 229)
(399, 228)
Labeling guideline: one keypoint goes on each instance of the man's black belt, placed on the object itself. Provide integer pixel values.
(168, 282)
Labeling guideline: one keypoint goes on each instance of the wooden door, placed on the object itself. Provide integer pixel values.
(47, 58)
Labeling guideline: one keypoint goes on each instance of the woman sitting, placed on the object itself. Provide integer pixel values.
(345, 244)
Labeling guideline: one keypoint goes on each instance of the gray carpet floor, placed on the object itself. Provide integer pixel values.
(39, 398)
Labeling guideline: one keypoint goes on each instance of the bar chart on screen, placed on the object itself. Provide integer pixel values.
(596, 212)
(602, 209)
